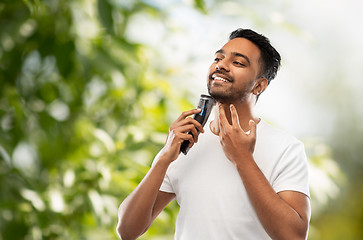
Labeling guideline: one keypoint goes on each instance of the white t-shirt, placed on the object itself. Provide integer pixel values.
(213, 201)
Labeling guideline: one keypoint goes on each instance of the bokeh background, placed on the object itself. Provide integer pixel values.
(88, 89)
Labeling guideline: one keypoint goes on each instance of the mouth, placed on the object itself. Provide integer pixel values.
(220, 78)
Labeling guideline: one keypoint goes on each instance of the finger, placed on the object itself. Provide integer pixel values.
(187, 137)
(188, 121)
(252, 128)
(222, 118)
(186, 128)
(188, 113)
(195, 134)
(212, 126)
(234, 115)
(222, 115)
(190, 128)
(194, 122)
(181, 137)
(197, 125)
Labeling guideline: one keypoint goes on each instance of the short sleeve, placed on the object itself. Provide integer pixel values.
(166, 184)
(293, 170)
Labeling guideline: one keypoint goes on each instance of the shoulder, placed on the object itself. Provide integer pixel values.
(278, 144)
(284, 159)
(276, 135)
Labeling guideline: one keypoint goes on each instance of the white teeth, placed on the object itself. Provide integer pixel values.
(219, 78)
(222, 79)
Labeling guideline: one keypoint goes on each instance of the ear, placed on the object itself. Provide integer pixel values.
(260, 86)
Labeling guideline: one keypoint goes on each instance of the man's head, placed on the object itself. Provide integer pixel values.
(270, 59)
(243, 67)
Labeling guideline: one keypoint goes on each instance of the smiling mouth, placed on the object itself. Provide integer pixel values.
(219, 78)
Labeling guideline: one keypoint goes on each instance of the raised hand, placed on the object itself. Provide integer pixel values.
(236, 143)
(178, 132)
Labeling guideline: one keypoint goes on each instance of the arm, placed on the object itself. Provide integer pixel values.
(284, 215)
(143, 205)
(140, 208)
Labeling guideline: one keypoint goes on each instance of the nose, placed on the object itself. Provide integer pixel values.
(222, 65)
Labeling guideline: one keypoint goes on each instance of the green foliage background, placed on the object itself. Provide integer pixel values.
(81, 117)
(83, 111)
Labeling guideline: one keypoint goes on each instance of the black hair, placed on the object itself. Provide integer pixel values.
(270, 59)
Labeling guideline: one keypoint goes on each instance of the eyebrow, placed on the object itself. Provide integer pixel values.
(237, 54)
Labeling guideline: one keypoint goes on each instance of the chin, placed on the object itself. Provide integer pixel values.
(220, 97)
(226, 97)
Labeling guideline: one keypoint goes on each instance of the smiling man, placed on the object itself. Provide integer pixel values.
(244, 179)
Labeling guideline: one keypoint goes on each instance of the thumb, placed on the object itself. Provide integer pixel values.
(214, 127)
(252, 128)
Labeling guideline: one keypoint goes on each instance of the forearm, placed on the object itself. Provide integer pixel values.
(136, 211)
(279, 219)
(140, 208)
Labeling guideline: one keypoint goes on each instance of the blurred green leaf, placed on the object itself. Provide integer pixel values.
(200, 5)
(105, 12)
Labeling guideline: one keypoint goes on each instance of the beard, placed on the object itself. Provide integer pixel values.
(226, 97)
(226, 94)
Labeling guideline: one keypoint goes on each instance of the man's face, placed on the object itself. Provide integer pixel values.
(237, 71)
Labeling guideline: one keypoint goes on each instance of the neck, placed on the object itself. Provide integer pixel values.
(244, 111)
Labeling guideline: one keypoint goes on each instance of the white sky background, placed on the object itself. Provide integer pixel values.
(319, 40)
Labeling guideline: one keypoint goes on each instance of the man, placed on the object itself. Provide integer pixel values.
(243, 179)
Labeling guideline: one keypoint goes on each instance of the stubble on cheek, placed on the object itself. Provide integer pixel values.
(224, 93)
(220, 92)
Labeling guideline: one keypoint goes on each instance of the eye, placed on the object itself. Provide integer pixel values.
(239, 63)
(217, 59)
